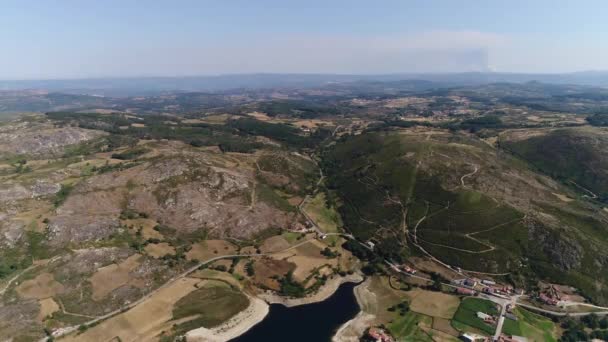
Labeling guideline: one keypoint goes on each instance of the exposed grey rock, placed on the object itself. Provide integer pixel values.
(44, 188)
(80, 228)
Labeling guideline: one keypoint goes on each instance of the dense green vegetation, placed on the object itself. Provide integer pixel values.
(132, 153)
(236, 135)
(567, 155)
(294, 108)
(290, 287)
(599, 119)
(381, 192)
(588, 327)
(62, 194)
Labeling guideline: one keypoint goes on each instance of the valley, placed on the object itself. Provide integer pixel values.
(456, 213)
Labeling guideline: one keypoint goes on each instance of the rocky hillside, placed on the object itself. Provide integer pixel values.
(91, 221)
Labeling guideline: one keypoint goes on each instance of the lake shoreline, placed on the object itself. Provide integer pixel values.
(326, 291)
(352, 330)
(235, 326)
(259, 308)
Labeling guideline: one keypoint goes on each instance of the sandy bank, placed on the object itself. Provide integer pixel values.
(234, 327)
(352, 330)
(322, 294)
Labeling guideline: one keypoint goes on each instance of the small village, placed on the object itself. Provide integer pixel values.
(550, 298)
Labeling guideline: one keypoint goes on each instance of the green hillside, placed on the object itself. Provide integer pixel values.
(465, 203)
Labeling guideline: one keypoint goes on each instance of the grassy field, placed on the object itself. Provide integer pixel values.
(326, 218)
(406, 328)
(422, 322)
(211, 304)
(467, 314)
(532, 326)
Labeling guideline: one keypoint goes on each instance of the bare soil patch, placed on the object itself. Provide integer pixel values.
(43, 286)
(158, 250)
(47, 307)
(143, 322)
(429, 266)
(208, 249)
(444, 325)
(147, 227)
(111, 277)
(434, 304)
(267, 268)
(562, 197)
(307, 258)
(274, 244)
(260, 116)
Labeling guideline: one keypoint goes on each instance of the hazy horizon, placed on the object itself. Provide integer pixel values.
(125, 39)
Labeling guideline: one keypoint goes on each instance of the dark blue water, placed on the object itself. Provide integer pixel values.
(310, 323)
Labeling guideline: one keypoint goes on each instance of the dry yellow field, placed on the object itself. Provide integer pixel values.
(562, 197)
(274, 244)
(434, 304)
(147, 227)
(157, 250)
(216, 275)
(208, 249)
(145, 321)
(307, 258)
(47, 307)
(111, 277)
(43, 286)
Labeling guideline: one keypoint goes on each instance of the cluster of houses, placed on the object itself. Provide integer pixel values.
(407, 269)
(470, 337)
(487, 286)
(550, 296)
(379, 335)
(547, 299)
(488, 319)
(466, 292)
(509, 338)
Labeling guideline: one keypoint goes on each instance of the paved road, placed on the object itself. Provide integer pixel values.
(501, 321)
(558, 313)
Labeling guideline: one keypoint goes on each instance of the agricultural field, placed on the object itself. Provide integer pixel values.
(532, 326)
(327, 218)
(466, 318)
(425, 317)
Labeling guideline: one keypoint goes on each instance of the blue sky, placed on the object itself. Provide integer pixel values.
(75, 39)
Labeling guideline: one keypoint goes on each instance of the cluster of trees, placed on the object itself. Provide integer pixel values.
(402, 308)
(598, 119)
(234, 135)
(249, 269)
(130, 154)
(301, 109)
(575, 330)
(290, 287)
(21, 166)
(330, 254)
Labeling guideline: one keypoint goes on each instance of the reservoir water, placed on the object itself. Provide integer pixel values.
(315, 322)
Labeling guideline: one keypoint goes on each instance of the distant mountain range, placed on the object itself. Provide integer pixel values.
(140, 86)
